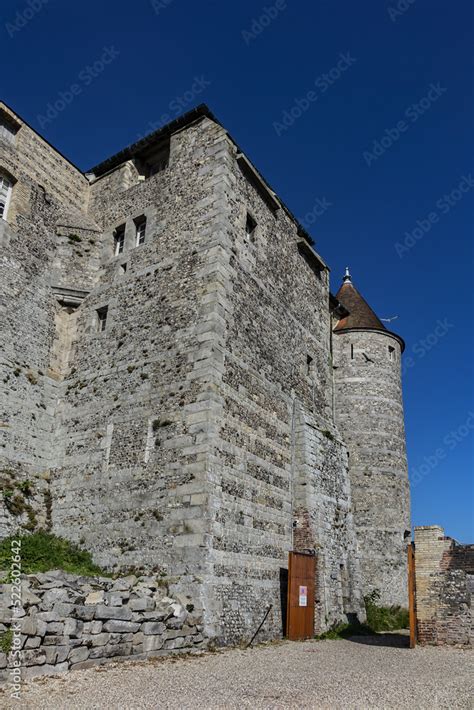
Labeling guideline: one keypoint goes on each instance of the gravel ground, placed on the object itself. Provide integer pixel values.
(309, 674)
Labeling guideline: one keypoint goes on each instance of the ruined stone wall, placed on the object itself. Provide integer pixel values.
(369, 410)
(444, 581)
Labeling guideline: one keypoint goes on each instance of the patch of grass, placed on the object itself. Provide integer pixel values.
(74, 238)
(6, 641)
(328, 435)
(43, 551)
(384, 618)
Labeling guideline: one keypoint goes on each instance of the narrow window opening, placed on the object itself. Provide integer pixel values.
(102, 318)
(352, 352)
(140, 230)
(309, 365)
(7, 131)
(5, 195)
(119, 239)
(250, 226)
(391, 352)
(123, 269)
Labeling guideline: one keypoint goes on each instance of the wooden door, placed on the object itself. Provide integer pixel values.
(300, 609)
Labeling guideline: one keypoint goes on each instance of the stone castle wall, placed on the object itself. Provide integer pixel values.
(369, 411)
(195, 436)
(444, 582)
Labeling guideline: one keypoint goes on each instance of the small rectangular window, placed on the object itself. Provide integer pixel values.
(102, 318)
(140, 230)
(250, 225)
(309, 365)
(119, 239)
(7, 131)
(391, 352)
(5, 194)
(352, 352)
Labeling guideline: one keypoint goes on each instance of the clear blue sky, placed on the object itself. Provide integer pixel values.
(360, 115)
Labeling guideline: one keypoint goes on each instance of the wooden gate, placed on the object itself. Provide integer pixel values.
(300, 607)
(411, 593)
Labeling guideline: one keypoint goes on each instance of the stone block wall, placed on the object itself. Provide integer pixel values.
(68, 622)
(369, 412)
(444, 581)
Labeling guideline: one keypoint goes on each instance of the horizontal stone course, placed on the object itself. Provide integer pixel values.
(75, 636)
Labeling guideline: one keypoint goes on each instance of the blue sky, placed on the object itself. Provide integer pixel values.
(359, 115)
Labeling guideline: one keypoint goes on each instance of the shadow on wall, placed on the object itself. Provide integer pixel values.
(283, 598)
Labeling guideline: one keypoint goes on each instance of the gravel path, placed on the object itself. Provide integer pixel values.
(310, 674)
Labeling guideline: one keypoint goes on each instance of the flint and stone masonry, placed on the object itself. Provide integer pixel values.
(173, 390)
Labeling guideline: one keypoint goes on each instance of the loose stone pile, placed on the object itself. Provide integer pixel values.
(70, 622)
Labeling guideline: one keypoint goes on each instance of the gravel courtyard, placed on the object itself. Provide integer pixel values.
(310, 674)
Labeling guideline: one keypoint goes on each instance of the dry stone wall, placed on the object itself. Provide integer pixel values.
(68, 622)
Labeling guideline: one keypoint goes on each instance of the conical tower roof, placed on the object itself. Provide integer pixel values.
(361, 316)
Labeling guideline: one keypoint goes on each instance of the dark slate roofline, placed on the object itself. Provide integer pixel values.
(186, 119)
(165, 131)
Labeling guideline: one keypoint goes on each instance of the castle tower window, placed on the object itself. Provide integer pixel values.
(7, 131)
(391, 353)
(5, 195)
(250, 225)
(352, 352)
(309, 365)
(102, 318)
(119, 239)
(140, 230)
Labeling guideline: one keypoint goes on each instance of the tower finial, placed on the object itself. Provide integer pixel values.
(347, 277)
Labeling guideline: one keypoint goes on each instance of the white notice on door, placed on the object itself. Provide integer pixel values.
(303, 596)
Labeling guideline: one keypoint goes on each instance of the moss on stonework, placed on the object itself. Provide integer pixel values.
(6, 641)
(43, 551)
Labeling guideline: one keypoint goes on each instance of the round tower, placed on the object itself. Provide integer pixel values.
(369, 412)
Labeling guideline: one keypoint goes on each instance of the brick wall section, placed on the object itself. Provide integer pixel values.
(444, 574)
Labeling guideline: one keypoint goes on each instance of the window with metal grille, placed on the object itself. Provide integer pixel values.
(140, 230)
(5, 194)
(119, 239)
